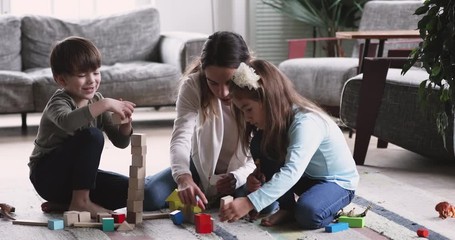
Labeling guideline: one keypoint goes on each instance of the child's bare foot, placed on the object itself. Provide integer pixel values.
(88, 206)
(281, 216)
(49, 207)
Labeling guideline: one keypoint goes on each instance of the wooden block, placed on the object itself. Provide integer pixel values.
(30, 223)
(70, 217)
(137, 172)
(55, 224)
(117, 119)
(84, 217)
(136, 194)
(337, 227)
(132, 217)
(139, 160)
(139, 150)
(92, 225)
(226, 199)
(108, 224)
(176, 217)
(423, 232)
(150, 216)
(134, 205)
(138, 139)
(136, 183)
(125, 226)
(354, 222)
(101, 215)
(203, 223)
(118, 217)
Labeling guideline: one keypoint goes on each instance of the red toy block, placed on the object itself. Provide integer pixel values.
(423, 232)
(118, 217)
(203, 223)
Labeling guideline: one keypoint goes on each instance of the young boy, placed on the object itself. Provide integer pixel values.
(64, 163)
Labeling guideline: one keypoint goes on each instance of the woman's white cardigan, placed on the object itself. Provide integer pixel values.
(205, 139)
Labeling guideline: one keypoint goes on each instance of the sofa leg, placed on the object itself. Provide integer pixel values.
(371, 91)
(24, 122)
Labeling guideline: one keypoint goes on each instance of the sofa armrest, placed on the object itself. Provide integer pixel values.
(180, 48)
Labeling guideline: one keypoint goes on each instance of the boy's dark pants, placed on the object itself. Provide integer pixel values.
(74, 166)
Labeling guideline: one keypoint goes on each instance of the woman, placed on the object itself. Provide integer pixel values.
(206, 160)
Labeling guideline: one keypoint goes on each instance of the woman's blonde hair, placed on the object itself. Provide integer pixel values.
(278, 97)
(222, 49)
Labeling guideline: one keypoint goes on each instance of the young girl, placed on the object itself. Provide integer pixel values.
(300, 149)
(64, 163)
(206, 161)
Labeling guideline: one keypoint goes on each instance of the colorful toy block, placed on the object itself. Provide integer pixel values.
(108, 224)
(226, 199)
(337, 227)
(203, 223)
(84, 217)
(176, 217)
(101, 215)
(423, 232)
(118, 217)
(55, 224)
(125, 226)
(70, 217)
(174, 201)
(354, 222)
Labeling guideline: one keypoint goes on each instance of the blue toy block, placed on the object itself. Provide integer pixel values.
(108, 224)
(55, 224)
(177, 217)
(337, 227)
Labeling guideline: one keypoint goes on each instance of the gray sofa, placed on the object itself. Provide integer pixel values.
(139, 62)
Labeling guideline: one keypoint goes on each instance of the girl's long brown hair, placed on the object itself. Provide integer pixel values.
(278, 97)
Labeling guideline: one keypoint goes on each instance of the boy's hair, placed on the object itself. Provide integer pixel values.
(278, 97)
(74, 55)
(222, 49)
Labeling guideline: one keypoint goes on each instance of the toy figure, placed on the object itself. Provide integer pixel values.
(445, 210)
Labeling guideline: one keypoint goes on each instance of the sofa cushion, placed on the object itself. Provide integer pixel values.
(16, 93)
(10, 47)
(320, 79)
(133, 35)
(141, 82)
(144, 83)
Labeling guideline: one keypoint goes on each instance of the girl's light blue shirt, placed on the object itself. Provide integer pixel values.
(318, 150)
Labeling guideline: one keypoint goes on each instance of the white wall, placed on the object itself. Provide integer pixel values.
(204, 16)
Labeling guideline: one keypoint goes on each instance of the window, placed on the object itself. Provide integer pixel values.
(71, 9)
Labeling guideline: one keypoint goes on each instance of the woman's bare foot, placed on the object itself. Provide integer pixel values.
(89, 206)
(281, 216)
(49, 207)
(81, 202)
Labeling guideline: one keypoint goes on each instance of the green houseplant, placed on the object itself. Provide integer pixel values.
(436, 53)
(326, 16)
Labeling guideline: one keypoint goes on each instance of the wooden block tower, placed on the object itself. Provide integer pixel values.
(134, 206)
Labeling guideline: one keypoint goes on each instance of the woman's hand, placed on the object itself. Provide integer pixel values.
(189, 192)
(226, 184)
(254, 180)
(236, 209)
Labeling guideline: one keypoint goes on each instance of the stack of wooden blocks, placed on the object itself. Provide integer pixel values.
(135, 200)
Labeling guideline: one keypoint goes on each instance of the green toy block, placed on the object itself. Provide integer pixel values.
(108, 224)
(354, 222)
